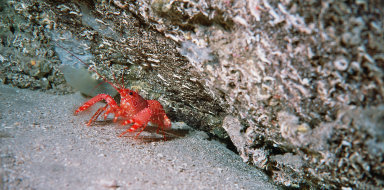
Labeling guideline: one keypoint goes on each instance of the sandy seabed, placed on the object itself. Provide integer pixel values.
(44, 146)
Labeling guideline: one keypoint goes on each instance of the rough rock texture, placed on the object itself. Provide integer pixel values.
(296, 75)
(25, 58)
(301, 81)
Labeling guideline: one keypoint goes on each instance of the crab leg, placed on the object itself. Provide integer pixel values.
(140, 120)
(97, 114)
(110, 101)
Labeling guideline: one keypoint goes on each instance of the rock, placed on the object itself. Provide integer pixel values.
(233, 128)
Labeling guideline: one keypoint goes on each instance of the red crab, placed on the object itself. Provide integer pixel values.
(133, 108)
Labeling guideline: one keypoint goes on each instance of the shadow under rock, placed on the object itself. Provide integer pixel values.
(149, 134)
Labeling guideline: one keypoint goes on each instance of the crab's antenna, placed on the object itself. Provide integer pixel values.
(122, 77)
(118, 85)
(94, 70)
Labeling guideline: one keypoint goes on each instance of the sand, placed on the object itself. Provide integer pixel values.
(45, 146)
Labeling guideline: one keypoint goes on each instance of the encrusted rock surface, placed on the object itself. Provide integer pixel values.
(300, 83)
(297, 77)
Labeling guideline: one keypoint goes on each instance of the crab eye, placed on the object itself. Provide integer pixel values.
(130, 93)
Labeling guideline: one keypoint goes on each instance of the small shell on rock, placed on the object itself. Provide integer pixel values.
(341, 63)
